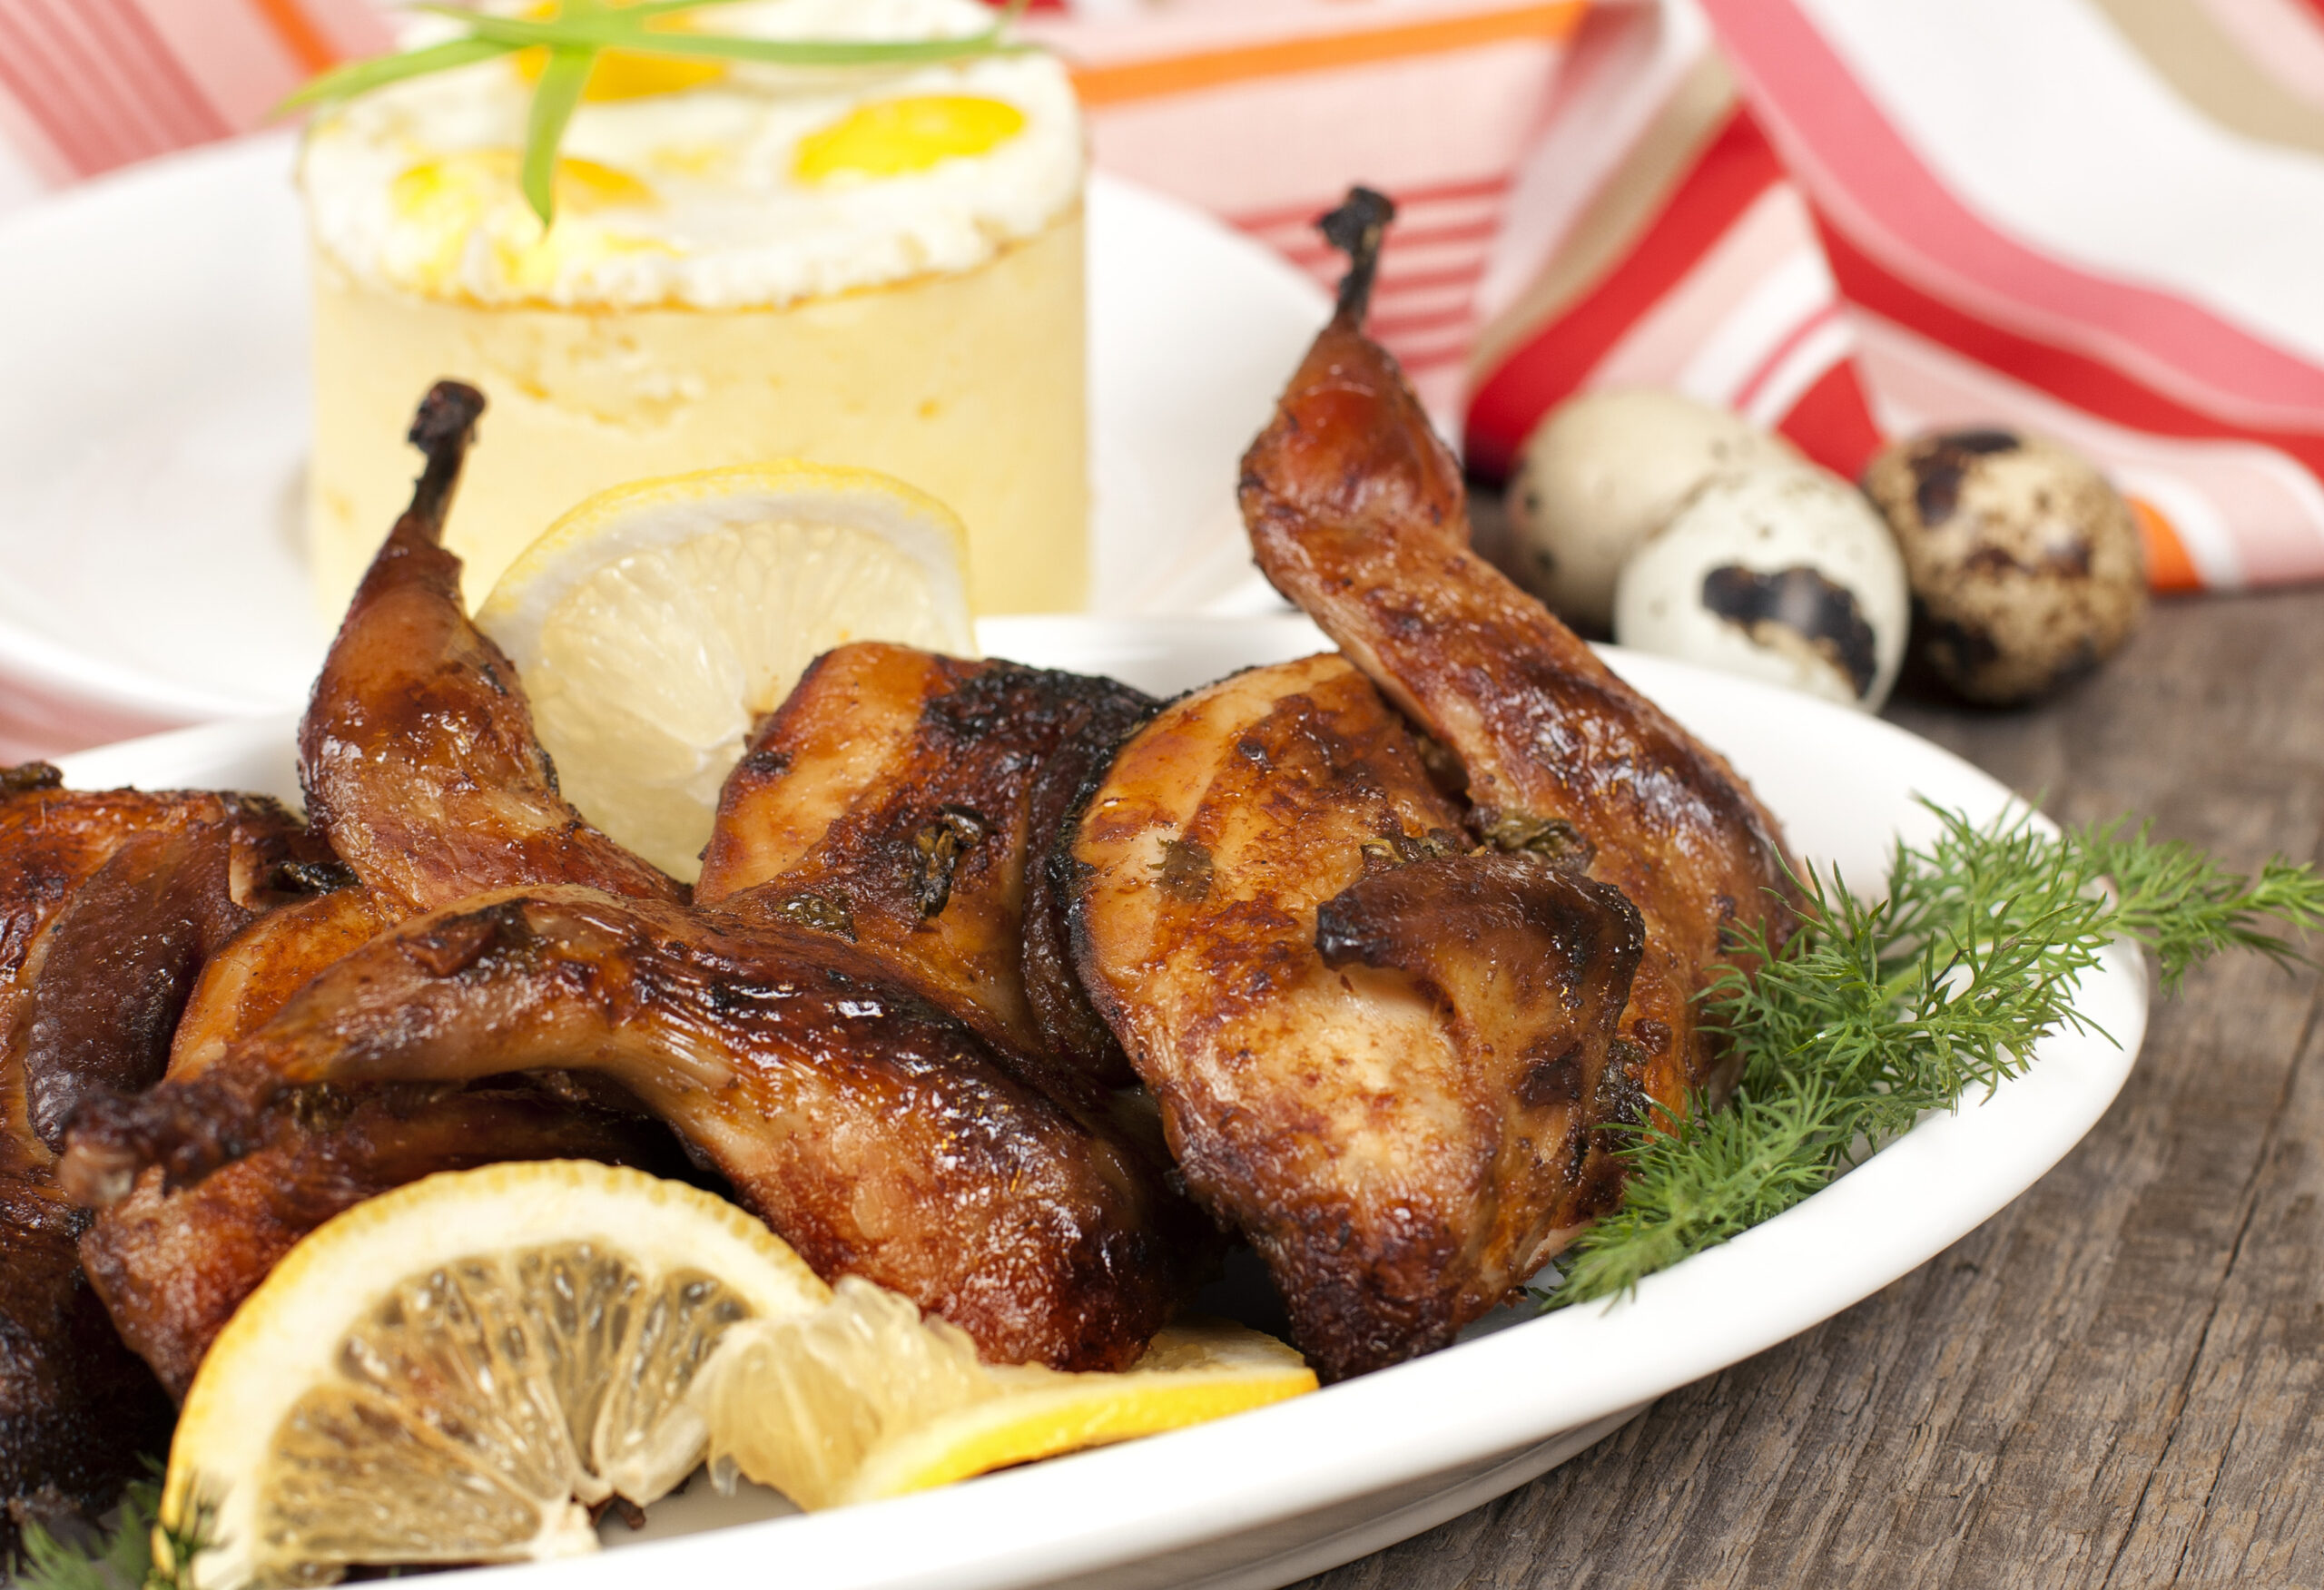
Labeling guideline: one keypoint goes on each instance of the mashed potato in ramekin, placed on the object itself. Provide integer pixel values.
(879, 267)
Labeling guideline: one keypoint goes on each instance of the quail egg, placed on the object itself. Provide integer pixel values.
(2027, 569)
(1781, 573)
(1601, 472)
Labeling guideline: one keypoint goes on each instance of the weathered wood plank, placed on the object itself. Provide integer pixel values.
(2120, 1379)
(2234, 1498)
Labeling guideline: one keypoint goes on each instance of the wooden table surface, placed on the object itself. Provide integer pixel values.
(2119, 1379)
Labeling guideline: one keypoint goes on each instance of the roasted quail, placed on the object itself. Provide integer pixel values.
(1377, 1050)
(1397, 1038)
(1356, 512)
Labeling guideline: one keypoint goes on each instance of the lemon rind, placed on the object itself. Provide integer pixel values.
(1028, 1425)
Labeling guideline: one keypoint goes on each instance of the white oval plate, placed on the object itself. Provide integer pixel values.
(1270, 1497)
(153, 424)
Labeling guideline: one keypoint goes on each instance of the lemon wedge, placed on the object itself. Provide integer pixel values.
(865, 1398)
(656, 622)
(448, 1373)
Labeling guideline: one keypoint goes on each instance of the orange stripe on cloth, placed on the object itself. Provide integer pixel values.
(297, 33)
(2168, 567)
(1141, 80)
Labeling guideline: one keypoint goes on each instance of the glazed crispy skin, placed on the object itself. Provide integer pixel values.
(173, 1266)
(76, 1409)
(111, 902)
(878, 1134)
(173, 876)
(113, 971)
(416, 751)
(1356, 513)
(1375, 1055)
(253, 975)
(906, 800)
(420, 766)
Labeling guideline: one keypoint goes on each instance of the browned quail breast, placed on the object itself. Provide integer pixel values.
(879, 1135)
(111, 904)
(904, 800)
(1376, 1054)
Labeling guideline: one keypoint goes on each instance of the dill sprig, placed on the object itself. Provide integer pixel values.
(120, 1558)
(1880, 1011)
(581, 30)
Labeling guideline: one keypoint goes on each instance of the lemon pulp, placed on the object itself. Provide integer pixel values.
(573, 1360)
(865, 1398)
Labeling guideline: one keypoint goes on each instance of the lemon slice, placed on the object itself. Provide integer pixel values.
(446, 1374)
(865, 1398)
(656, 622)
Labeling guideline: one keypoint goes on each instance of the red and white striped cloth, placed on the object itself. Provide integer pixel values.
(1668, 248)
(1844, 218)
(86, 85)
(1266, 113)
(2099, 218)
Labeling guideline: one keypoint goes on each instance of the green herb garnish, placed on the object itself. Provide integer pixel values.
(1878, 1012)
(122, 1558)
(119, 1559)
(583, 29)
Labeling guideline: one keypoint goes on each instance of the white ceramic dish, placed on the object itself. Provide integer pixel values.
(153, 429)
(1270, 1497)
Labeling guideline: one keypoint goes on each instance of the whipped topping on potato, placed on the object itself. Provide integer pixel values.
(708, 185)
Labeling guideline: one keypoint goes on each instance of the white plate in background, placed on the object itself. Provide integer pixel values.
(153, 425)
(1270, 1497)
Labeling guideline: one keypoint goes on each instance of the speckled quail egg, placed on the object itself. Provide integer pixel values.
(1781, 573)
(2027, 569)
(1601, 472)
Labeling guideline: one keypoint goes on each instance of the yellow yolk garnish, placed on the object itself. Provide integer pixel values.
(468, 177)
(441, 202)
(893, 138)
(624, 75)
